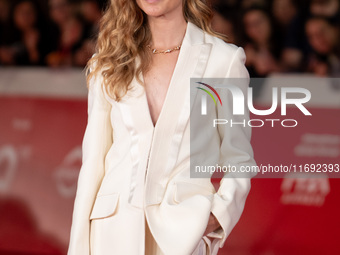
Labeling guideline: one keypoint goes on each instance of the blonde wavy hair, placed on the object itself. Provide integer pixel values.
(124, 34)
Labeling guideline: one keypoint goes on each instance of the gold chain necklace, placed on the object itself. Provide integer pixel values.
(155, 51)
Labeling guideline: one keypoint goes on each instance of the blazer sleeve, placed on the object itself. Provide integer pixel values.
(236, 150)
(96, 142)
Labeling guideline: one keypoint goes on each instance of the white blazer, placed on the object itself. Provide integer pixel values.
(132, 170)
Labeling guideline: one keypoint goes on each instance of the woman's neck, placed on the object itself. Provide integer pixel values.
(167, 32)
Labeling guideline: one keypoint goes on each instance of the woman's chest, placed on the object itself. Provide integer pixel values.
(157, 81)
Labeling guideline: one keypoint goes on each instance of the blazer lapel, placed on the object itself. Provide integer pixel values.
(175, 113)
(162, 142)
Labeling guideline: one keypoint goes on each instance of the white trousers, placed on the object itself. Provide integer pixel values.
(204, 247)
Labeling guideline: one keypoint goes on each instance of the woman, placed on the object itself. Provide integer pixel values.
(71, 34)
(323, 36)
(262, 42)
(135, 194)
(25, 41)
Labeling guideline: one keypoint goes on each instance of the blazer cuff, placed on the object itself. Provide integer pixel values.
(220, 211)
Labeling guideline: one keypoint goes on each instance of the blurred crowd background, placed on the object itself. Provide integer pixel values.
(43, 113)
(50, 33)
(279, 36)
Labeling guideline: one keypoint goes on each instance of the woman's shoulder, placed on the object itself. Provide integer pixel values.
(218, 44)
(225, 59)
(223, 55)
(221, 46)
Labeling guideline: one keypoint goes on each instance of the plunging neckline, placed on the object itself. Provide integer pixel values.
(166, 99)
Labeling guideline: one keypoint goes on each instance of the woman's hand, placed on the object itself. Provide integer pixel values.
(213, 225)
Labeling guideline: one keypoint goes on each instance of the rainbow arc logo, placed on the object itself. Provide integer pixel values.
(209, 93)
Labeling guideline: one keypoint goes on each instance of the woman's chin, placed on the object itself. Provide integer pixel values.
(152, 8)
(152, 1)
(153, 12)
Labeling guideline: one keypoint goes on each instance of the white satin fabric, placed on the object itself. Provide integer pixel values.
(204, 247)
(133, 171)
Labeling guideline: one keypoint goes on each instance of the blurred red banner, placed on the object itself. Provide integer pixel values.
(40, 158)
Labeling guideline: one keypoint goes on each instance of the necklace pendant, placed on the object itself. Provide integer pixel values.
(155, 51)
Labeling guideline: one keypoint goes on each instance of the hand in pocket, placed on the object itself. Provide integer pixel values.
(213, 225)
